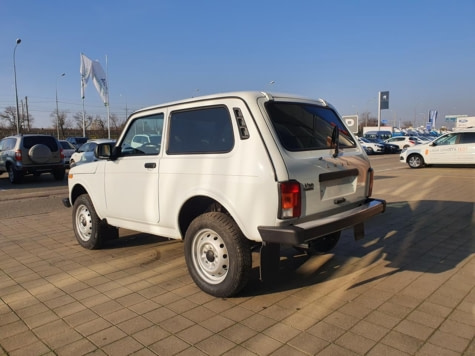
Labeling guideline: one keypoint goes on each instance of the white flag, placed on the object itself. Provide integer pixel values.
(86, 72)
(100, 81)
(93, 69)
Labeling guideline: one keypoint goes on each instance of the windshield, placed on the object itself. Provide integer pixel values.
(305, 127)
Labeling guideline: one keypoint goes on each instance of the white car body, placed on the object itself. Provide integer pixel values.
(452, 148)
(371, 147)
(281, 169)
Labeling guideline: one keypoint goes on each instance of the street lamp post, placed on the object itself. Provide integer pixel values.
(57, 109)
(18, 41)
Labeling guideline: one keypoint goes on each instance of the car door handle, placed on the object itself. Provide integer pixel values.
(150, 165)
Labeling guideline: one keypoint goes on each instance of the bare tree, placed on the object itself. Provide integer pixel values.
(59, 121)
(9, 117)
(99, 123)
(78, 118)
(116, 123)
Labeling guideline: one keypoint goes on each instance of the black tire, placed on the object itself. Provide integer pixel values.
(415, 161)
(369, 150)
(59, 173)
(323, 244)
(14, 175)
(217, 254)
(89, 230)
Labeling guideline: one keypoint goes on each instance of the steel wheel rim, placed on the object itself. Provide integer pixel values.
(210, 256)
(84, 223)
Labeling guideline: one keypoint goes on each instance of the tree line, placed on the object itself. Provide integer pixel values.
(60, 122)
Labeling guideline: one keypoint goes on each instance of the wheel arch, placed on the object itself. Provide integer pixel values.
(196, 206)
(76, 192)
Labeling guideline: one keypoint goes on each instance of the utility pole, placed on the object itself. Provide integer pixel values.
(27, 115)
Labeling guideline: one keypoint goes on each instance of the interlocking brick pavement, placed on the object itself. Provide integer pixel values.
(406, 289)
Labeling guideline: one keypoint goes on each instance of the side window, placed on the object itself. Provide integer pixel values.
(144, 136)
(448, 140)
(204, 130)
(467, 137)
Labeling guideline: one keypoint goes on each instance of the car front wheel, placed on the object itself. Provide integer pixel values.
(217, 254)
(89, 229)
(415, 161)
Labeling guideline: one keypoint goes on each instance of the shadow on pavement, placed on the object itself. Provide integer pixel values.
(425, 236)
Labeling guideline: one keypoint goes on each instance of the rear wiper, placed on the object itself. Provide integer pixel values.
(335, 140)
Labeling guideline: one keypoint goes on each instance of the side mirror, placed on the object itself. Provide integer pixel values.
(104, 151)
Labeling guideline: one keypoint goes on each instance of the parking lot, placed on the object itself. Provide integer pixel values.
(406, 289)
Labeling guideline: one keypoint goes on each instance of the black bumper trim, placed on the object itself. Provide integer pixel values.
(301, 233)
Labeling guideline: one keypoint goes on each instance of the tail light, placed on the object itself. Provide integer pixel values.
(370, 181)
(18, 155)
(61, 152)
(290, 200)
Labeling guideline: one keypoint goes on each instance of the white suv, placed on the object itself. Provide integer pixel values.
(230, 172)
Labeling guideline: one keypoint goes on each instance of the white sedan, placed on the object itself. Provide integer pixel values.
(85, 153)
(452, 148)
(371, 147)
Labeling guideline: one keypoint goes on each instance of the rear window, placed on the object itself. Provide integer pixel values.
(30, 141)
(305, 127)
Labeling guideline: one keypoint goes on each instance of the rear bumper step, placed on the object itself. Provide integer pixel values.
(307, 231)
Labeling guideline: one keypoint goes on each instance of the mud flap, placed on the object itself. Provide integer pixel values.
(269, 262)
(358, 231)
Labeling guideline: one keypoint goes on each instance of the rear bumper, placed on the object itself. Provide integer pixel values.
(301, 233)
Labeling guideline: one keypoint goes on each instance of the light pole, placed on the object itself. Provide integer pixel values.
(18, 41)
(57, 110)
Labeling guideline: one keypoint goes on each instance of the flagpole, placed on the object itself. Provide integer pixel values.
(108, 104)
(83, 119)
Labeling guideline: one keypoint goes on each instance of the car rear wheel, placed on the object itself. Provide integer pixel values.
(415, 161)
(217, 254)
(14, 175)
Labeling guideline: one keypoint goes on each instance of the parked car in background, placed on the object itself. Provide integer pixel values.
(68, 150)
(404, 141)
(77, 141)
(379, 135)
(388, 147)
(452, 148)
(31, 154)
(371, 147)
(85, 153)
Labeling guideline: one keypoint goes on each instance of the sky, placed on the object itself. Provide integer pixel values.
(155, 51)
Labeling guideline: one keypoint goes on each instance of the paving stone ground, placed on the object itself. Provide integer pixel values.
(406, 289)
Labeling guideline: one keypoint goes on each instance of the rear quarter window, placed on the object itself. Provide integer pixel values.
(204, 130)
